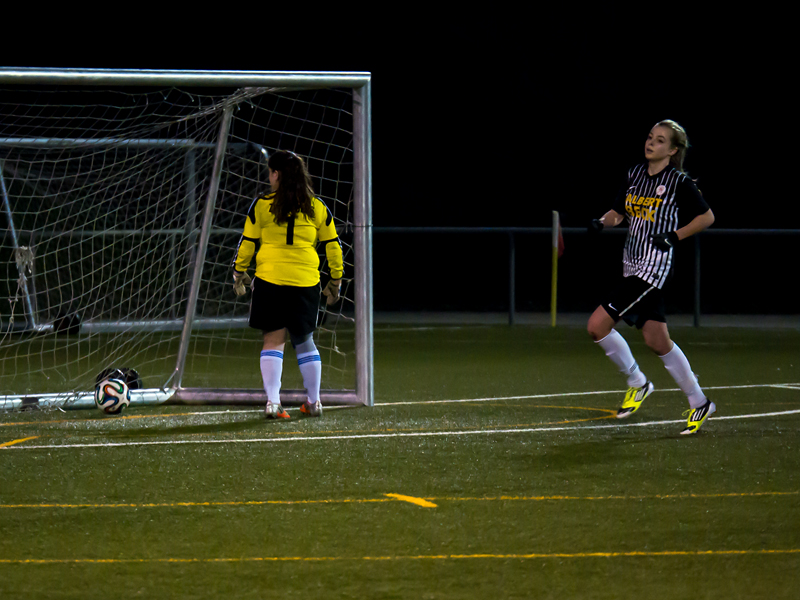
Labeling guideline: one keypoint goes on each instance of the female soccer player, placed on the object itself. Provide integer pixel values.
(662, 206)
(288, 223)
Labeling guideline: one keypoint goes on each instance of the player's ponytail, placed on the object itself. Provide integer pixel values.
(679, 140)
(294, 192)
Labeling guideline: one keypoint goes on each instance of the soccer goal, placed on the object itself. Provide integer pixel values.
(124, 195)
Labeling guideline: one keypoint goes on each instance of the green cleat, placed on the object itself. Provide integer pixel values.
(633, 399)
(698, 416)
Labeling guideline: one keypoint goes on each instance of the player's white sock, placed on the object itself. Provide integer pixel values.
(311, 369)
(271, 370)
(678, 366)
(617, 349)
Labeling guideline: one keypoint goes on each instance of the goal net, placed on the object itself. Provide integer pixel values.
(124, 195)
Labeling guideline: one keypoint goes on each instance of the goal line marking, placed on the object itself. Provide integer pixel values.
(16, 444)
(788, 386)
(368, 436)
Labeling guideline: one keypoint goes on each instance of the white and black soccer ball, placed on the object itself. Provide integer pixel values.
(112, 396)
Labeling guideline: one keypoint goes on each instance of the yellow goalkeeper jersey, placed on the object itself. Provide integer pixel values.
(288, 252)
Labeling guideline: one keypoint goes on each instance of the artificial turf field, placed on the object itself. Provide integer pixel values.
(491, 466)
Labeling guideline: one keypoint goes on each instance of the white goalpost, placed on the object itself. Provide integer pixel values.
(124, 195)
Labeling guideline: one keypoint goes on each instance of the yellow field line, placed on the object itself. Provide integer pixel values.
(202, 413)
(110, 419)
(200, 504)
(427, 501)
(535, 555)
(412, 500)
(611, 414)
(644, 497)
(19, 441)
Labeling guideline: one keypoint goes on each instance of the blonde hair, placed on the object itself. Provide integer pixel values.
(679, 140)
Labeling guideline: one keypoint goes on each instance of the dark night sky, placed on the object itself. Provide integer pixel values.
(523, 114)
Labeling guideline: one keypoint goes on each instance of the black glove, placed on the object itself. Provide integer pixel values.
(665, 241)
(596, 226)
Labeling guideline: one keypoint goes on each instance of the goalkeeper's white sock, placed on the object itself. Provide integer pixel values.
(678, 366)
(271, 371)
(311, 369)
(617, 349)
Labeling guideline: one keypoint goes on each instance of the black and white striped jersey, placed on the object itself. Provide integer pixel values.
(654, 204)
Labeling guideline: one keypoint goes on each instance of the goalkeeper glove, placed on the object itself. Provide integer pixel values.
(665, 241)
(240, 282)
(331, 291)
(596, 226)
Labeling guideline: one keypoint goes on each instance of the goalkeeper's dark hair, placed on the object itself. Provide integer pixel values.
(679, 140)
(294, 192)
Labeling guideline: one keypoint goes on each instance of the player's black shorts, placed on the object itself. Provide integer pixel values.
(635, 301)
(274, 307)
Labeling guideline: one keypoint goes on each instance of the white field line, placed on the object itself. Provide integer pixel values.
(787, 386)
(372, 436)
(790, 386)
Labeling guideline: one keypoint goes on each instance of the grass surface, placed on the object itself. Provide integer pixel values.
(491, 466)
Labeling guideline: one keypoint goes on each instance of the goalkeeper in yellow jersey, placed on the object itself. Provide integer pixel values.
(282, 230)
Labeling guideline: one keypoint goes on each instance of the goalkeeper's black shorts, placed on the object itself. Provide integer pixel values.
(635, 301)
(274, 307)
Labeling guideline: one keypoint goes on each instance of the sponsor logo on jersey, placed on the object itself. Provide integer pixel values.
(640, 207)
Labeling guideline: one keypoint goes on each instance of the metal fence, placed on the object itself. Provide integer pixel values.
(752, 259)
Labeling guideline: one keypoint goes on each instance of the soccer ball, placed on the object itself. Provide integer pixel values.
(112, 396)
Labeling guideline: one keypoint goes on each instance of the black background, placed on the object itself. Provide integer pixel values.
(493, 116)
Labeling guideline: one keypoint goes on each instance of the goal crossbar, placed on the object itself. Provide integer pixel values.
(166, 77)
